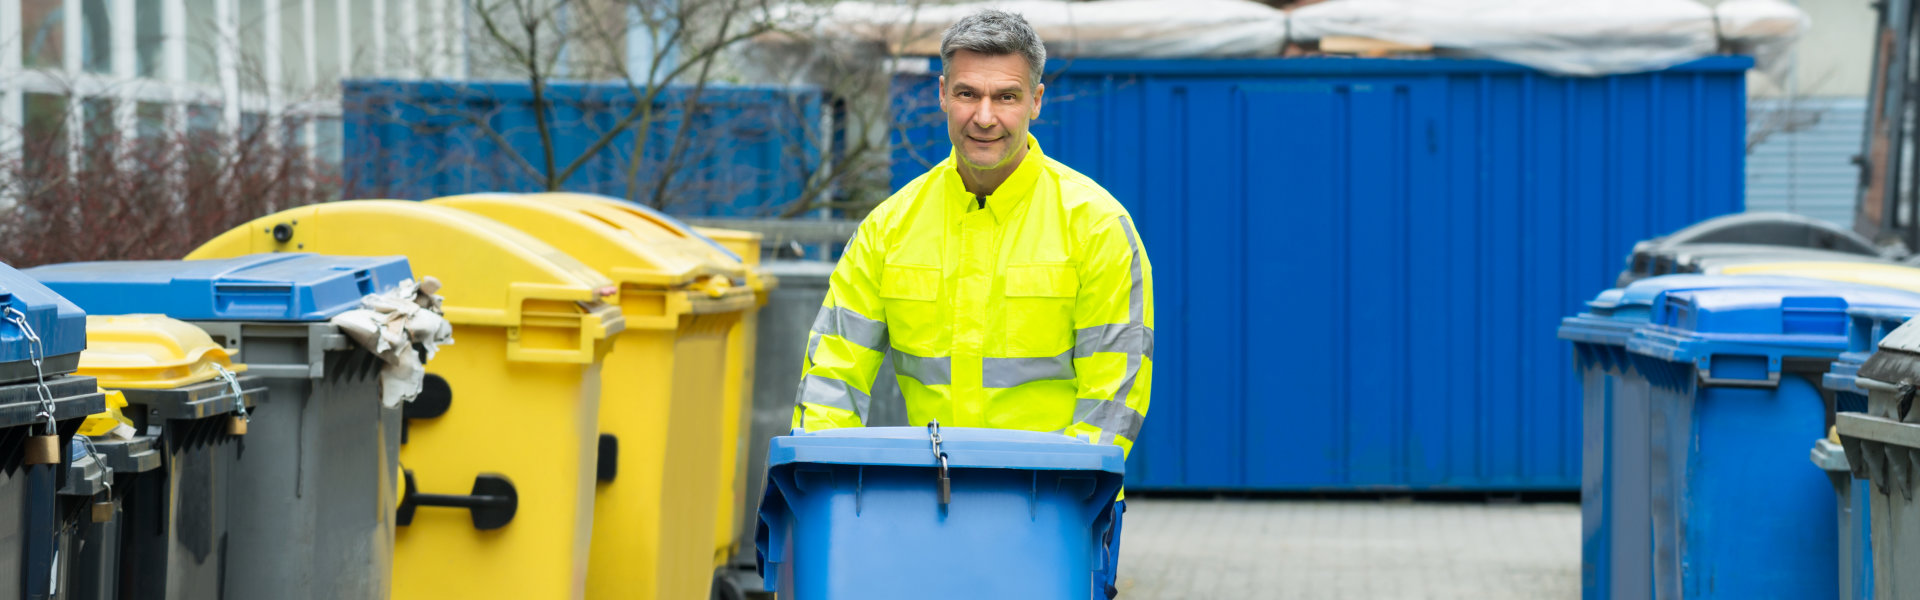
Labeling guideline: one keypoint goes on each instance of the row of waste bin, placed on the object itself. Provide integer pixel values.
(580, 434)
(1704, 394)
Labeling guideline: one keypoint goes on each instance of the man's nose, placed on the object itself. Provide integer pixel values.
(984, 119)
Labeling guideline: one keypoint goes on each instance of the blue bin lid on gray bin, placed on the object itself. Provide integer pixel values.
(1746, 335)
(258, 287)
(57, 321)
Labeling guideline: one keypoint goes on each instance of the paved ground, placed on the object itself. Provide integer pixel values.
(1367, 549)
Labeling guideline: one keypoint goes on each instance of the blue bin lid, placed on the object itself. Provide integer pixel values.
(966, 448)
(258, 287)
(60, 324)
(1612, 315)
(1746, 334)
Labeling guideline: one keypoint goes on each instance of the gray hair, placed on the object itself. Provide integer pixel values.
(994, 33)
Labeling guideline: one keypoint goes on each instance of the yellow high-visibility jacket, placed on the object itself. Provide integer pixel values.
(1033, 312)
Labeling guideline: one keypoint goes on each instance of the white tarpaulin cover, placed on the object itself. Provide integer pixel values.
(1109, 28)
(1763, 29)
(1574, 37)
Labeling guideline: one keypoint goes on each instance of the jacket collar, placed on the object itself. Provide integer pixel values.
(1012, 193)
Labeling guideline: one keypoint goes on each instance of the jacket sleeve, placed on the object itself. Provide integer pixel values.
(1113, 336)
(848, 340)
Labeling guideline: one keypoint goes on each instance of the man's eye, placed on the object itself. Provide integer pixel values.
(1007, 98)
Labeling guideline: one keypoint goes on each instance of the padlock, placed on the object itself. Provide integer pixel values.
(236, 426)
(43, 450)
(102, 511)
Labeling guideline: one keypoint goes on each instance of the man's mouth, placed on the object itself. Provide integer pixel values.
(985, 141)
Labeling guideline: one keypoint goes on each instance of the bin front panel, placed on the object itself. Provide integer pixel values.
(1411, 228)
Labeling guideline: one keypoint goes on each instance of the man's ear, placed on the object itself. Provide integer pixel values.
(1038, 92)
(942, 92)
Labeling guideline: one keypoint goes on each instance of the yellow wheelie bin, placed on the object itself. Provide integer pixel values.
(733, 530)
(507, 424)
(1868, 273)
(662, 397)
(730, 522)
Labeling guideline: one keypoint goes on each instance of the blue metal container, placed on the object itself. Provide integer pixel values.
(856, 513)
(746, 152)
(1362, 261)
(259, 287)
(60, 326)
(1734, 377)
(1615, 514)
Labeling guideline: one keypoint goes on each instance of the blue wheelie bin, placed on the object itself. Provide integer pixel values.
(1616, 491)
(902, 512)
(1734, 376)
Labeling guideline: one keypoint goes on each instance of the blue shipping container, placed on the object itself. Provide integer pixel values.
(745, 151)
(1361, 262)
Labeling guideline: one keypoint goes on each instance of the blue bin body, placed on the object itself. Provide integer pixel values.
(1734, 376)
(1615, 517)
(258, 287)
(854, 513)
(59, 323)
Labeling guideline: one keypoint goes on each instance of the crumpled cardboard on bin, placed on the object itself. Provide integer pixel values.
(390, 325)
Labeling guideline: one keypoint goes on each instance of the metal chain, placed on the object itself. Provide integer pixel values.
(942, 481)
(37, 352)
(239, 399)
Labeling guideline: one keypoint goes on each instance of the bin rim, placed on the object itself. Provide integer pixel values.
(966, 447)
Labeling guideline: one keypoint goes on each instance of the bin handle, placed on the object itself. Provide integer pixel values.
(493, 501)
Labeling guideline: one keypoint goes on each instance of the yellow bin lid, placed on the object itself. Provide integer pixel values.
(634, 253)
(145, 352)
(619, 245)
(1883, 275)
(494, 275)
(628, 216)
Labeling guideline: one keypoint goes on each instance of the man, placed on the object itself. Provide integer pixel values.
(1011, 291)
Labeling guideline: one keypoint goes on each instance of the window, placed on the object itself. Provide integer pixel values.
(203, 39)
(43, 31)
(328, 140)
(46, 133)
(253, 44)
(326, 42)
(96, 35)
(152, 117)
(149, 32)
(361, 54)
(293, 47)
(97, 136)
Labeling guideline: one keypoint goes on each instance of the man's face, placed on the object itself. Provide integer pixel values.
(988, 100)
